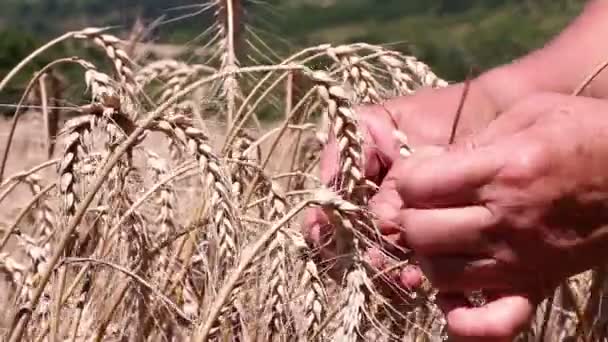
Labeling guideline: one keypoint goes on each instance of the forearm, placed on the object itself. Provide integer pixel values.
(561, 66)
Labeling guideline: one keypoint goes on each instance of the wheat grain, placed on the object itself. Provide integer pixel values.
(157, 70)
(281, 320)
(357, 74)
(351, 183)
(408, 74)
(120, 60)
(315, 303)
(14, 270)
(214, 175)
(75, 132)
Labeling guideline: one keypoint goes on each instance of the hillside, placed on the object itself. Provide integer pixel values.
(453, 36)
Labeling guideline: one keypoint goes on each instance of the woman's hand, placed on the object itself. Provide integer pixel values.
(426, 118)
(513, 211)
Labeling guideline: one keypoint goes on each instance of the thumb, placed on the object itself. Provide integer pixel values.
(450, 178)
(387, 203)
(499, 320)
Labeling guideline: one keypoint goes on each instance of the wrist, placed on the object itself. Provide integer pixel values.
(506, 85)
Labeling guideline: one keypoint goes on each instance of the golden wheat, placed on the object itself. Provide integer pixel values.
(200, 238)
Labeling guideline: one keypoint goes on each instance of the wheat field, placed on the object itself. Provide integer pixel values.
(164, 209)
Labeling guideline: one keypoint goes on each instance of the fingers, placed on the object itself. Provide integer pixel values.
(500, 320)
(428, 116)
(463, 274)
(411, 277)
(519, 117)
(387, 203)
(318, 232)
(391, 276)
(451, 178)
(460, 231)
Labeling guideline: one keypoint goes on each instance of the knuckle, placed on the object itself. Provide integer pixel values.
(528, 164)
(311, 227)
(541, 97)
(414, 241)
(408, 179)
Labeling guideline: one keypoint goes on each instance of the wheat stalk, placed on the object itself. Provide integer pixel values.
(12, 269)
(229, 15)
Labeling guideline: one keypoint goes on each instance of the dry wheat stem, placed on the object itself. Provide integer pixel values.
(11, 230)
(234, 131)
(131, 210)
(17, 114)
(598, 70)
(135, 277)
(42, 49)
(244, 106)
(113, 306)
(21, 176)
(247, 256)
(257, 144)
(15, 180)
(275, 143)
(56, 310)
(45, 113)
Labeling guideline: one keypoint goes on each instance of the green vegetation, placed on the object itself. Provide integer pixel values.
(454, 36)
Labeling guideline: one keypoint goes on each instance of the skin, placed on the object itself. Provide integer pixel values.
(523, 188)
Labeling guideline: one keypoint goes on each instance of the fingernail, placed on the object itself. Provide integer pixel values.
(411, 277)
(375, 258)
(430, 151)
(314, 235)
(384, 211)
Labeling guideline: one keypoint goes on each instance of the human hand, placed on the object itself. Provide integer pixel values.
(513, 211)
(426, 118)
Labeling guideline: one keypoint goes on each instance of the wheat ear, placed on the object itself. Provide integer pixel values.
(352, 185)
(120, 59)
(215, 176)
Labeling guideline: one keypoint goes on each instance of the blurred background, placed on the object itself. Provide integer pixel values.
(453, 36)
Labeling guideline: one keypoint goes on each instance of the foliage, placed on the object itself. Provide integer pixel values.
(453, 36)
